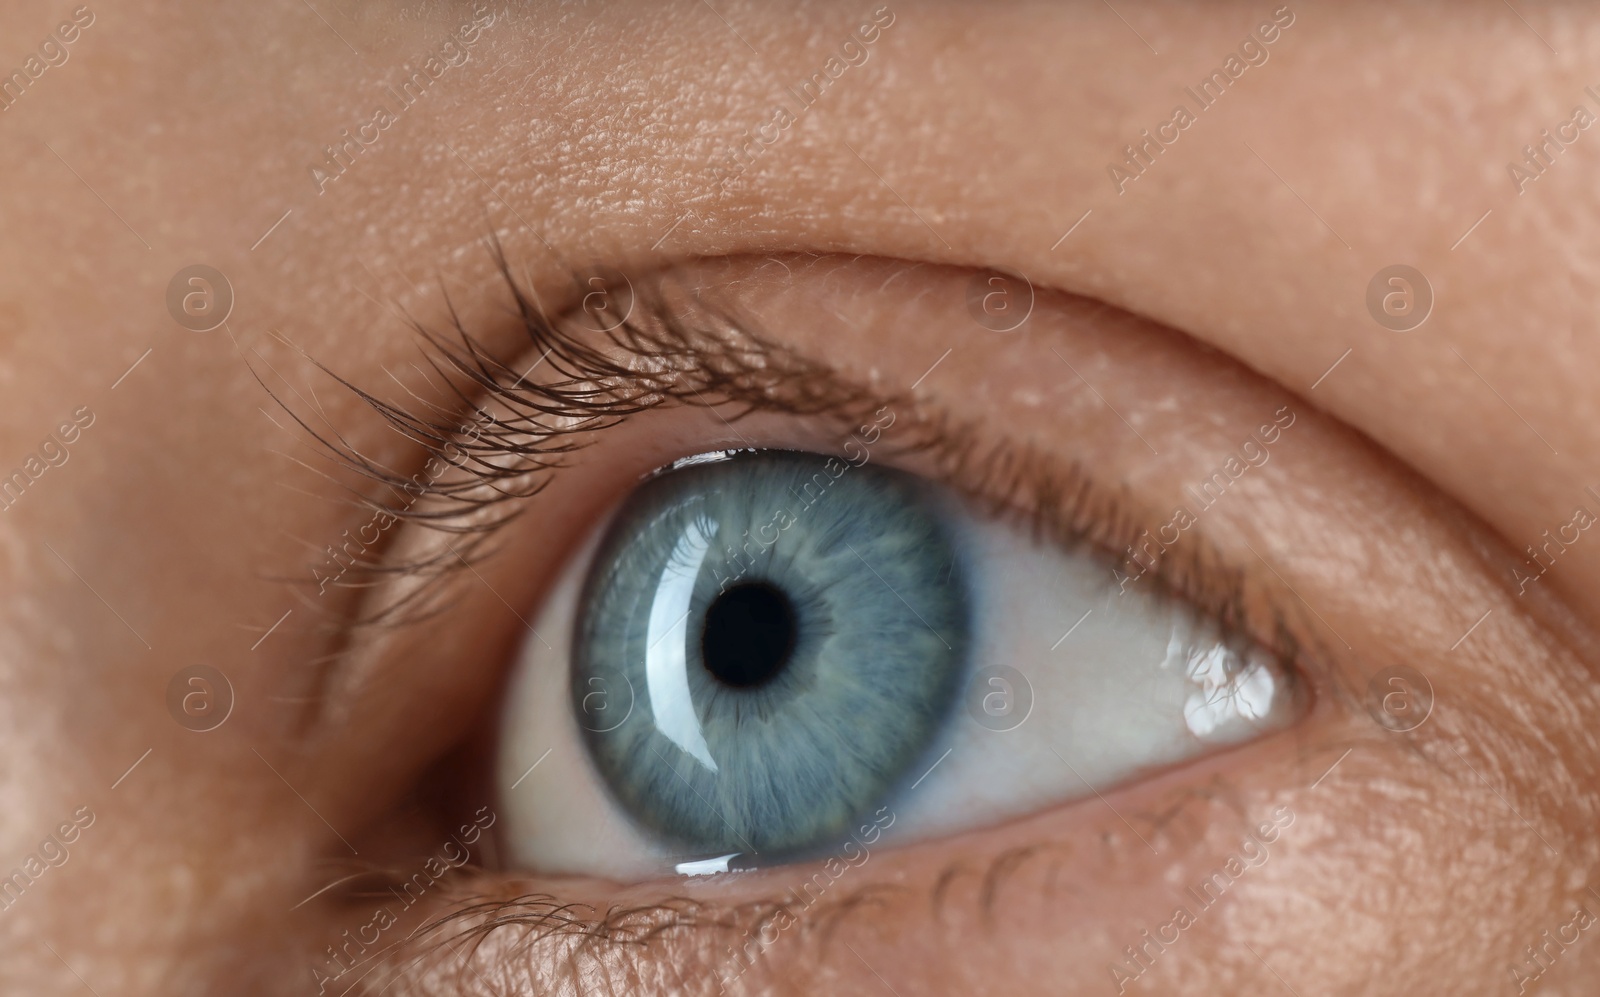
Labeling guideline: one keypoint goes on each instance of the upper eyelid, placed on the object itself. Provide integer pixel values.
(692, 355)
(513, 457)
(499, 458)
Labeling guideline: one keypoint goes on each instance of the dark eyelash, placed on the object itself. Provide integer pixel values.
(549, 946)
(681, 351)
(685, 352)
(496, 460)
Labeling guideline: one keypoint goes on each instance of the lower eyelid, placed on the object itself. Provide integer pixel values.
(492, 944)
(587, 936)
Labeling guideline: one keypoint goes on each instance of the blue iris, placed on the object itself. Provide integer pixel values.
(794, 630)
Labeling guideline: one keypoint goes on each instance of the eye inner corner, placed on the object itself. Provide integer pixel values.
(749, 634)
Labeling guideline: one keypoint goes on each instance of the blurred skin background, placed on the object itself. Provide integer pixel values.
(214, 778)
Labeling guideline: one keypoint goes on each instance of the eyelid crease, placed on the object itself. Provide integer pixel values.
(689, 353)
(683, 351)
(686, 352)
(499, 459)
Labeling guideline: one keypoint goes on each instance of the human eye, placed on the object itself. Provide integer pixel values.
(1190, 417)
(713, 601)
(774, 654)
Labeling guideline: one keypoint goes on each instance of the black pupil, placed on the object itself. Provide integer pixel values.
(749, 634)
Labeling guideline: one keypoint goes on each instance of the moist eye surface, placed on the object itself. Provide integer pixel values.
(795, 631)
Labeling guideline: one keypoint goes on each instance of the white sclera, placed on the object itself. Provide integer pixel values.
(559, 817)
(1138, 685)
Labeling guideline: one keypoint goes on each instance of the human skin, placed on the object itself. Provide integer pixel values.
(1391, 519)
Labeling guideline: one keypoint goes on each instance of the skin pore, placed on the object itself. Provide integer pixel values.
(1226, 281)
